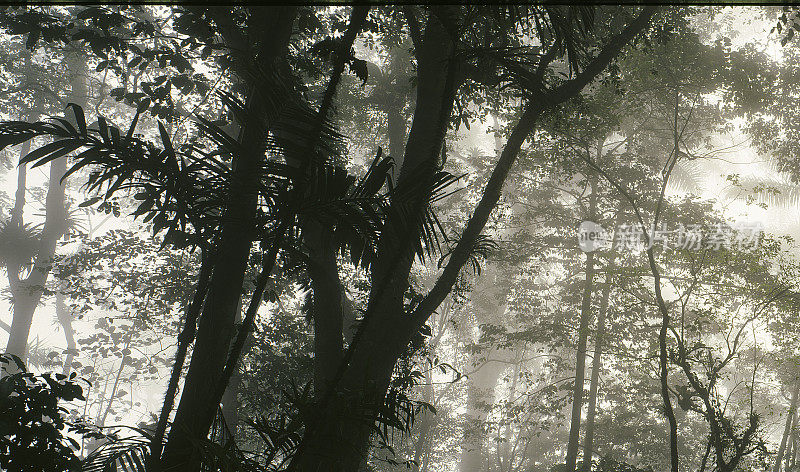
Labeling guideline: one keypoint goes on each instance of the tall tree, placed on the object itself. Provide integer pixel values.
(27, 290)
(594, 382)
(583, 336)
(215, 329)
(332, 441)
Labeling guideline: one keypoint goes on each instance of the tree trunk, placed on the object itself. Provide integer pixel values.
(787, 429)
(396, 129)
(426, 424)
(793, 462)
(504, 449)
(194, 417)
(25, 299)
(583, 335)
(230, 404)
(395, 97)
(588, 440)
(481, 392)
(27, 293)
(327, 309)
(215, 330)
(339, 439)
(580, 366)
(349, 317)
(65, 320)
(230, 399)
(339, 435)
(20, 328)
(793, 444)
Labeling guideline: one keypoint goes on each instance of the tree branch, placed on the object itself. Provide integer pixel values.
(494, 187)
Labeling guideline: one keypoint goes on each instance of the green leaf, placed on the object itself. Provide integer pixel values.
(165, 140)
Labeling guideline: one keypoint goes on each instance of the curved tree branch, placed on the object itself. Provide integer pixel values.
(522, 130)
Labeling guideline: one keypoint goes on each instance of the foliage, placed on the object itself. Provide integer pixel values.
(33, 422)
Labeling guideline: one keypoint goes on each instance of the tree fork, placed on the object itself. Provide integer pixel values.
(375, 367)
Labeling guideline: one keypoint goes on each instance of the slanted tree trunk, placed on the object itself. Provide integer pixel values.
(216, 326)
(339, 441)
(230, 399)
(793, 440)
(338, 438)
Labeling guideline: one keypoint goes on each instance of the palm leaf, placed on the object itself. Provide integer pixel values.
(773, 190)
(481, 250)
(126, 454)
(18, 243)
(687, 176)
(413, 205)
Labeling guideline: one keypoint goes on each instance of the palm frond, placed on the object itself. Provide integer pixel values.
(569, 27)
(353, 209)
(165, 180)
(184, 192)
(774, 190)
(287, 120)
(281, 437)
(481, 250)
(129, 454)
(413, 207)
(687, 176)
(18, 243)
(561, 30)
